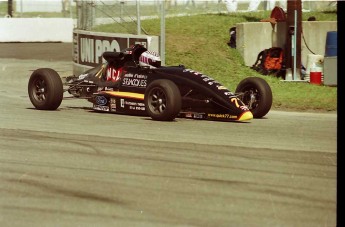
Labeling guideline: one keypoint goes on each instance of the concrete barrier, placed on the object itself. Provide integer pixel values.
(36, 29)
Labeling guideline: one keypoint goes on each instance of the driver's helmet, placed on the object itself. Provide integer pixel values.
(150, 59)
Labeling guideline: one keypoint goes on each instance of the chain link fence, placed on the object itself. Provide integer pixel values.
(128, 13)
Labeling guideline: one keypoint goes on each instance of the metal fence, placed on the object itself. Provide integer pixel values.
(91, 13)
(129, 13)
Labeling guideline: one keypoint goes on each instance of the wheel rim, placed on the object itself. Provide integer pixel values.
(39, 90)
(251, 97)
(157, 101)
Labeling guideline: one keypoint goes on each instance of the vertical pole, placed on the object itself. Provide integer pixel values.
(295, 49)
(138, 18)
(70, 9)
(21, 8)
(294, 30)
(10, 8)
(121, 8)
(93, 14)
(162, 38)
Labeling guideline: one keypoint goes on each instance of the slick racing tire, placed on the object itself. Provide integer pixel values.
(162, 100)
(45, 89)
(256, 94)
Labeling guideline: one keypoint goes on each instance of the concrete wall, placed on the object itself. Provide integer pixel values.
(253, 37)
(36, 29)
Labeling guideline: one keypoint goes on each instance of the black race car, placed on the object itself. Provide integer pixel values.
(131, 82)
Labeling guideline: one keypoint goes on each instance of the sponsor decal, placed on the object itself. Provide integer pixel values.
(113, 104)
(239, 103)
(213, 83)
(224, 116)
(101, 100)
(134, 80)
(244, 108)
(221, 87)
(210, 81)
(189, 115)
(193, 115)
(113, 107)
(199, 116)
(229, 93)
(113, 74)
(108, 89)
(137, 108)
(192, 71)
(206, 78)
(135, 105)
(101, 108)
(82, 76)
(91, 49)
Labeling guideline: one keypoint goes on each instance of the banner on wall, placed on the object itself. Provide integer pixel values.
(88, 47)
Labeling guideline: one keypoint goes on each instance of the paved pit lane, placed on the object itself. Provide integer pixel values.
(75, 167)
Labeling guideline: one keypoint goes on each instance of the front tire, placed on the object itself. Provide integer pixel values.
(162, 100)
(256, 94)
(45, 89)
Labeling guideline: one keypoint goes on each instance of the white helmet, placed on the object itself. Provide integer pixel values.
(150, 59)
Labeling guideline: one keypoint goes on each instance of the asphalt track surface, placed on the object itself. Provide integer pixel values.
(75, 167)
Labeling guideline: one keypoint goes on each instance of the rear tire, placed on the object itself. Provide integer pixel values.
(162, 100)
(45, 89)
(256, 94)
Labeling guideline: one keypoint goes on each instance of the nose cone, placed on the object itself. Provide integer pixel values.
(246, 116)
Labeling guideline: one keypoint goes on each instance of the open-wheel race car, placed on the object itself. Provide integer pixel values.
(133, 82)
